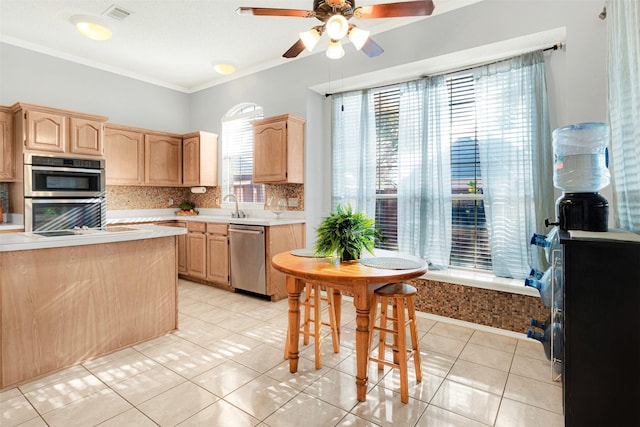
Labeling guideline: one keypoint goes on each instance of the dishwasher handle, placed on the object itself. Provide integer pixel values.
(238, 230)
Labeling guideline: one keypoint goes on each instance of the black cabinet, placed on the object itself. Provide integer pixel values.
(601, 329)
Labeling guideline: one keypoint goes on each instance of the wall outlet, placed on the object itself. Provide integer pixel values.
(170, 202)
(293, 202)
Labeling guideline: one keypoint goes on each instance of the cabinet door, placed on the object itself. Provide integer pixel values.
(270, 152)
(86, 137)
(182, 253)
(124, 153)
(196, 255)
(45, 131)
(218, 258)
(191, 161)
(7, 161)
(163, 160)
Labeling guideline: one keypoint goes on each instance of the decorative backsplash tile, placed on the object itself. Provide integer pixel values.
(4, 197)
(287, 191)
(488, 307)
(132, 197)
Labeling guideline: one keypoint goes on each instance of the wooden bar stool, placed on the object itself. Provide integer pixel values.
(397, 294)
(313, 308)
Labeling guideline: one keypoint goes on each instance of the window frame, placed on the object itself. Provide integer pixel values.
(238, 112)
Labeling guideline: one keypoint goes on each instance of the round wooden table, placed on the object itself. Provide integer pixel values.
(353, 277)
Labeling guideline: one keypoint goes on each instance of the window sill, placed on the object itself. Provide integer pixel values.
(481, 280)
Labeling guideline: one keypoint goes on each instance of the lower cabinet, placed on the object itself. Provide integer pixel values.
(205, 253)
(182, 244)
(196, 250)
(281, 238)
(217, 253)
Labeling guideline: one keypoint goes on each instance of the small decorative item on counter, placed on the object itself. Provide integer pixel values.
(346, 232)
(187, 208)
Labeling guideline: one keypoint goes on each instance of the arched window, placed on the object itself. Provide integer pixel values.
(237, 154)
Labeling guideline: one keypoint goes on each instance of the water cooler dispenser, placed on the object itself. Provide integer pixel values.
(580, 171)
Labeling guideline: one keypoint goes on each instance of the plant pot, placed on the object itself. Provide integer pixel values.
(348, 256)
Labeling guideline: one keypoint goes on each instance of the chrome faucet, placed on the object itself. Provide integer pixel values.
(237, 213)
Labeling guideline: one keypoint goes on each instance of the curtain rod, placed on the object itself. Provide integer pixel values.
(556, 46)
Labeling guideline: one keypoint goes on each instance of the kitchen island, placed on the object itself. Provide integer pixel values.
(68, 299)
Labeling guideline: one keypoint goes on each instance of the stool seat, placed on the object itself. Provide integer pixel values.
(398, 294)
(395, 290)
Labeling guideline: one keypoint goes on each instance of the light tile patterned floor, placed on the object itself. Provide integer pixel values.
(225, 367)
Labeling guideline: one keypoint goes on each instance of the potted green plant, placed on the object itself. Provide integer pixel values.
(346, 232)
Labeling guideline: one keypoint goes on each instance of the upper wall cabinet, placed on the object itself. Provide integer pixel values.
(44, 129)
(150, 158)
(162, 160)
(124, 153)
(200, 159)
(7, 161)
(278, 151)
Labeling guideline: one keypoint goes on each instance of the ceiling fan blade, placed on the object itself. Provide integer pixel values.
(294, 50)
(371, 48)
(395, 10)
(267, 11)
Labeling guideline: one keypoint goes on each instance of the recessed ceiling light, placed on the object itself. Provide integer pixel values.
(91, 27)
(224, 69)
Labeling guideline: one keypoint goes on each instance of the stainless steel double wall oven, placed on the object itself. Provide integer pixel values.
(63, 193)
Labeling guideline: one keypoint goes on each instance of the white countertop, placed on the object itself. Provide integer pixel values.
(266, 218)
(28, 241)
(9, 226)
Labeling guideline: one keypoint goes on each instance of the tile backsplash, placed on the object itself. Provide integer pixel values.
(132, 197)
(4, 197)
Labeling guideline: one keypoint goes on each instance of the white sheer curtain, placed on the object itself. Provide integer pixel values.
(354, 152)
(623, 26)
(424, 186)
(514, 139)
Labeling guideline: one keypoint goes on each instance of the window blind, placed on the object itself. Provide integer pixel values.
(470, 237)
(387, 106)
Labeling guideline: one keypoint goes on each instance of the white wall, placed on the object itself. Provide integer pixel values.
(36, 78)
(576, 77)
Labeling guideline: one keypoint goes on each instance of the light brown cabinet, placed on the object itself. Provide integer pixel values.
(217, 253)
(162, 160)
(278, 151)
(182, 244)
(124, 153)
(196, 250)
(86, 137)
(281, 238)
(200, 159)
(59, 131)
(7, 160)
(45, 131)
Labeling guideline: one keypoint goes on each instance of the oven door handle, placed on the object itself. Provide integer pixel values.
(37, 201)
(50, 169)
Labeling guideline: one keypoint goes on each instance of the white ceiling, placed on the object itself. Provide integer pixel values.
(173, 43)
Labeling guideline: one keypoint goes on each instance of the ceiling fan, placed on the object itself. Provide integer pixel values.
(334, 15)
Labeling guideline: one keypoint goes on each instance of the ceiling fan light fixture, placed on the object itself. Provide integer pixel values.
(337, 27)
(358, 37)
(310, 38)
(224, 69)
(335, 50)
(91, 27)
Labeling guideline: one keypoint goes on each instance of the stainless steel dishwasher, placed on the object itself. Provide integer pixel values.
(247, 253)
